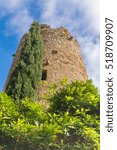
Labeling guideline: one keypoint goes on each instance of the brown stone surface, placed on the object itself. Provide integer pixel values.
(62, 57)
(16, 58)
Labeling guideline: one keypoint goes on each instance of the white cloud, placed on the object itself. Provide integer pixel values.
(9, 6)
(90, 52)
(50, 8)
(19, 18)
(91, 13)
(67, 11)
(19, 23)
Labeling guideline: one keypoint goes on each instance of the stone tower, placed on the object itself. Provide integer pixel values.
(62, 57)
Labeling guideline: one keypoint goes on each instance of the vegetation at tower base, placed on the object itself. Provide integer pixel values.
(70, 123)
(24, 81)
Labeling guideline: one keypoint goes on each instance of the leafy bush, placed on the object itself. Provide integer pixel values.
(71, 122)
(25, 125)
(75, 97)
(80, 101)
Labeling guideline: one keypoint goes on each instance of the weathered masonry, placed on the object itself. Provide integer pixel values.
(62, 57)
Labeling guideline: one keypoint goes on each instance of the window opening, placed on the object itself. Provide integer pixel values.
(44, 75)
(54, 52)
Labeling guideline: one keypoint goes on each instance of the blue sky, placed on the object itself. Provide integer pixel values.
(80, 17)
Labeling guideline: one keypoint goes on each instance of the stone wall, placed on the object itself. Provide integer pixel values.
(16, 58)
(62, 57)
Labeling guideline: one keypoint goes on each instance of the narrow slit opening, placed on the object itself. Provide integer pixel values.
(44, 75)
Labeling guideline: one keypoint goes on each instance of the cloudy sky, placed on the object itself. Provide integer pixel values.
(80, 17)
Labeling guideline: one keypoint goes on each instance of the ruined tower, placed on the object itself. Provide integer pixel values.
(62, 57)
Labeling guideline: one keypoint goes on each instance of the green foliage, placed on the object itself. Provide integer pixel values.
(24, 81)
(75, 97)
(80, 101)
(71, 122)
(25, 126)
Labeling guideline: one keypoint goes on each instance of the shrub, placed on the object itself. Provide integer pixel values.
(78, 105)
(71, 122)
